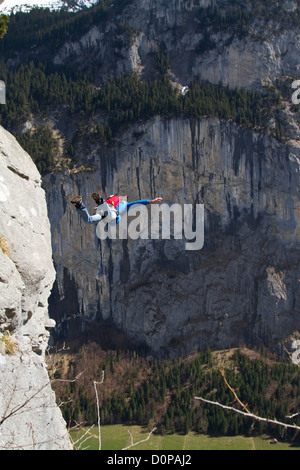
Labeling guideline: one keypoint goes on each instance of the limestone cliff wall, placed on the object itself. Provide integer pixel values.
(242, 286)
(29, 417)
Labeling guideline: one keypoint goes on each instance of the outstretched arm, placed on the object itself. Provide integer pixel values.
(144, 202)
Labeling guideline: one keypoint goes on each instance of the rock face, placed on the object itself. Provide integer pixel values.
(29, 417)
(242, 286)
(265, 53)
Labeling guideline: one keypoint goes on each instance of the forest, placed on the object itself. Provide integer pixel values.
(34, 89)
(41, 26)
(163, 392)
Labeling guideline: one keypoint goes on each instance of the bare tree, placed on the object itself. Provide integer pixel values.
(132, 444)
(31, 398)
(245, 411)
(98, 407)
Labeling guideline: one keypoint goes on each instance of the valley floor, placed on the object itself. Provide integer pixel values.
(117, 437)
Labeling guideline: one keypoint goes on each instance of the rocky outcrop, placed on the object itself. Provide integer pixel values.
(267, 51)
(29, 417)
(242, 286)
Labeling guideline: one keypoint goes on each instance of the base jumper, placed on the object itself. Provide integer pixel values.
(110, 209)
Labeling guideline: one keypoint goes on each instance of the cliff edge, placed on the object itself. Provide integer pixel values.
(29, 417)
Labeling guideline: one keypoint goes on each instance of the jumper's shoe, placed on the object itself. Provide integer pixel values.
(97, 198)
(77, 200)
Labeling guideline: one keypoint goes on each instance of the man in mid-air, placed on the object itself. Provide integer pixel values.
(110, 209)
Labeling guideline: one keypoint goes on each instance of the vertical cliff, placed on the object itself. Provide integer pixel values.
(29, 417)
(242, 286)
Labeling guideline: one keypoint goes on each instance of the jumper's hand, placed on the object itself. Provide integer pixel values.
(158, 199)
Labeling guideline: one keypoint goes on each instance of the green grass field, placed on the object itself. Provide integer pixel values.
(118, 437)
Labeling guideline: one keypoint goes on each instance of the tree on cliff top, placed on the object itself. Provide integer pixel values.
(4, 19)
